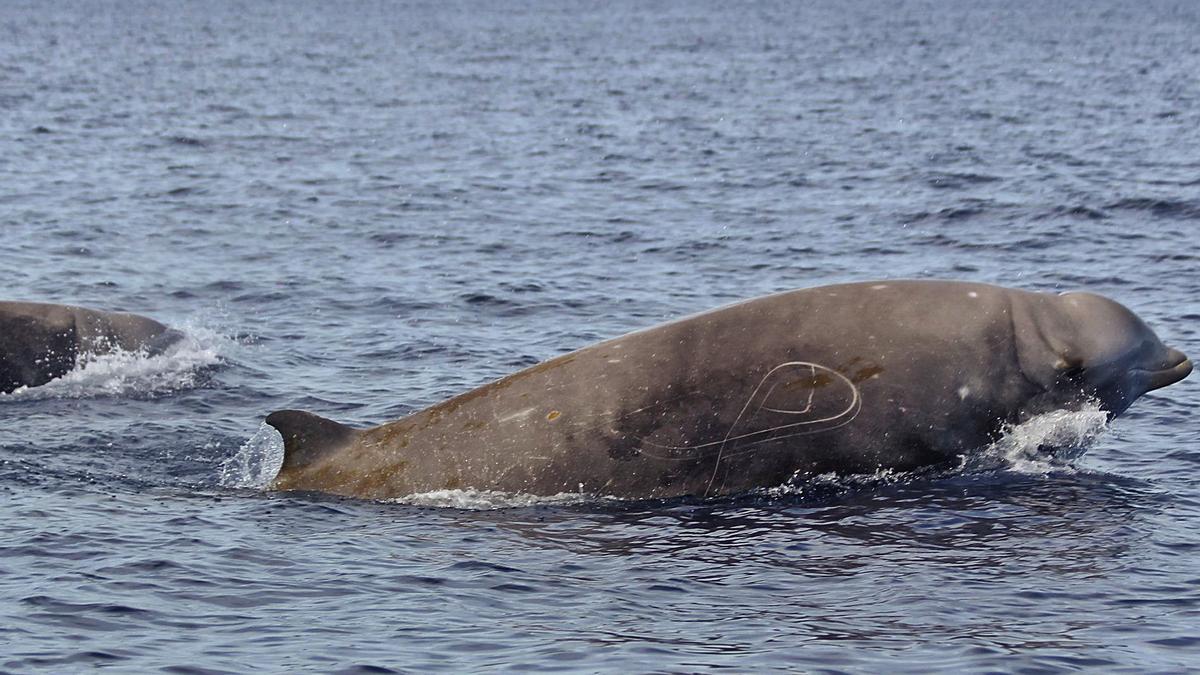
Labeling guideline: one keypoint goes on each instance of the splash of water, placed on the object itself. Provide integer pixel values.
(1040, 445)
(823, 484)
(256, 462)
(123, 373)
(1044, 443)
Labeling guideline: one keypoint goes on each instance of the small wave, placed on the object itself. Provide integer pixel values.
(256, 462)
(137, 373)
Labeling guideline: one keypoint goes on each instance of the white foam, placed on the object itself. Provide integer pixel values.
(256, 462)
(122, 372)
(491, 500)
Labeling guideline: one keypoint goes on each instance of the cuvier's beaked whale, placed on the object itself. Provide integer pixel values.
(849, 379)
(42, 341)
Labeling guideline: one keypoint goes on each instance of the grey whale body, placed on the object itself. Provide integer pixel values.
(849, 378)
(43, 341)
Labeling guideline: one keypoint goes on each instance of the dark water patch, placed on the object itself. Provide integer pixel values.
(224, 286)
(661, 186)
(92, 658)
(1059, 158)
(486, 300)
(959, 181)
(1083, 281)
(1161, 208)
(1042, 241)
(882, 250)
(482, 566)
(412, 350)
(525, 287)
(1083, 212)
(1129, 236)
(1171, 257)
(10, 100)
(620, 237)
(948, 214)
(263, 297)
(74, 251)
(403, 306)
(182, 191)
(1183, 642)
(187, 141)
(78, 234)
(523, 361)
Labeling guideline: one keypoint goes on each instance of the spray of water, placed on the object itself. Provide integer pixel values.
(1045, 443)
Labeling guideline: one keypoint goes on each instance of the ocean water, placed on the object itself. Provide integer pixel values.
(362, 208)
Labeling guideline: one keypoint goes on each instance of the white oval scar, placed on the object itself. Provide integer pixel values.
(877, 287)
(963, 392)
(972, 294)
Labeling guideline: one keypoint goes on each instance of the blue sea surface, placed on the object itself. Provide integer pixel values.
(361, 208)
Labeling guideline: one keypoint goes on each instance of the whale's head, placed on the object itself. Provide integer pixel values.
(1083, 344)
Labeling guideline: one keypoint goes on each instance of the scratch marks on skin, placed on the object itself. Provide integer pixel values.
(798, 428)
(607, 419)
(521, 414)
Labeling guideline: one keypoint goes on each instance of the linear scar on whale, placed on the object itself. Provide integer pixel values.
(851, 378)
(43, 341)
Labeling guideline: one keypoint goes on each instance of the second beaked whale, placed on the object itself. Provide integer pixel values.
(40, 342)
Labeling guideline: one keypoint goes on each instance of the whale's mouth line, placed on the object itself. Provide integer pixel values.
(1180, 368)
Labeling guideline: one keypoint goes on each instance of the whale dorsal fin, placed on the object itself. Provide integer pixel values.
(308, 437)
